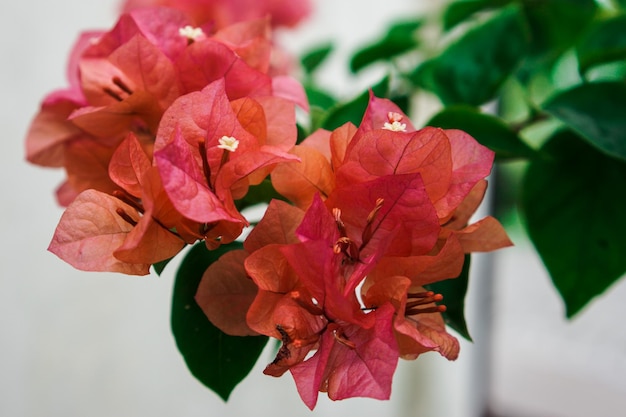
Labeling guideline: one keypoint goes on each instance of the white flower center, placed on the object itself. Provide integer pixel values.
(393, 122)
(191, 33)
(395, 126)
(228, 143)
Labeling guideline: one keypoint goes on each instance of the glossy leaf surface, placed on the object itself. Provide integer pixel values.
(574, 205)
(219, 361)
(596, 111)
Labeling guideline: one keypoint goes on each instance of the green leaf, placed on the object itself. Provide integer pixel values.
(555, 25)
(472, 69)
(260, 193)
(319, 98)
(459, 11)
(314, 58)
(574, 205)
(160, 266)
(605, 42)
(597, 112)
(353, 110)
(218, 360)
(488, 130)
(453, 291)
(399, 39)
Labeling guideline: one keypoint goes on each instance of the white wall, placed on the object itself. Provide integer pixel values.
(85, 344)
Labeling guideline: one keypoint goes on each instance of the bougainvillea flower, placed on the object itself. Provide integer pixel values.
(307, 300)
(225, 12)
(128, 231)
(307, 290)
(387, 212)
(124, 80)
(210, 150)
(50, 130)
(418, 323)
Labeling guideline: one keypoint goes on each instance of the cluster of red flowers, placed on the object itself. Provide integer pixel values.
(162, 127)
(166, 124)
(379, 212)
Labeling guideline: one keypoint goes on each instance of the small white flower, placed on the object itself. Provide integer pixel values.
(395, 126)
(228, 143)
(393, 122)
(191, 33)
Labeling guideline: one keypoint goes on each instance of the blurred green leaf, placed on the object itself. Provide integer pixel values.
(399, 39)
(604, 42)
(597, 111)
(459, 11)
(454, 291)
(574, 205)
(319, 98)
(314, 58)
(555, 25)
(471, 70)
(353, 110)
(486, 129)
(218, 360)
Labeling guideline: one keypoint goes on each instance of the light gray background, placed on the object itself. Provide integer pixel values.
(86, 344)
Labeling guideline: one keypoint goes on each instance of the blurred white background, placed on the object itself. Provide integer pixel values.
(86, 344)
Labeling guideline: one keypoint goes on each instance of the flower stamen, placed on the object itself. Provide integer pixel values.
(341, 338)
(368, 231)
(130, 200)
(191, 33)
(393, 122)
(346, 246)
(123, 92)
(126, 217)
(423, 302)
(340, 224)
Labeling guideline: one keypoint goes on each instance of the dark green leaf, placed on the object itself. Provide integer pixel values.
(597, 111)
(555, 25)
(218, 360)
(260, 193)
(353, 110)
(313, 59)
(605, 42)
(453, 291)
(319, 98)
(471, 70)
(399, 39)
(574, 204)
(459, 11)
(486, 129)
(160, 266)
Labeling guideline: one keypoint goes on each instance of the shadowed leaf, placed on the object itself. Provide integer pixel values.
(574, 204)
(219, 361)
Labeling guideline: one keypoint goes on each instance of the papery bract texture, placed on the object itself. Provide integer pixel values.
(124, 80)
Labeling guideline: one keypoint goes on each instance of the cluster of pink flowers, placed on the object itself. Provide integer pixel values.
(162, 127)
(378, 212)
(166, 124)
